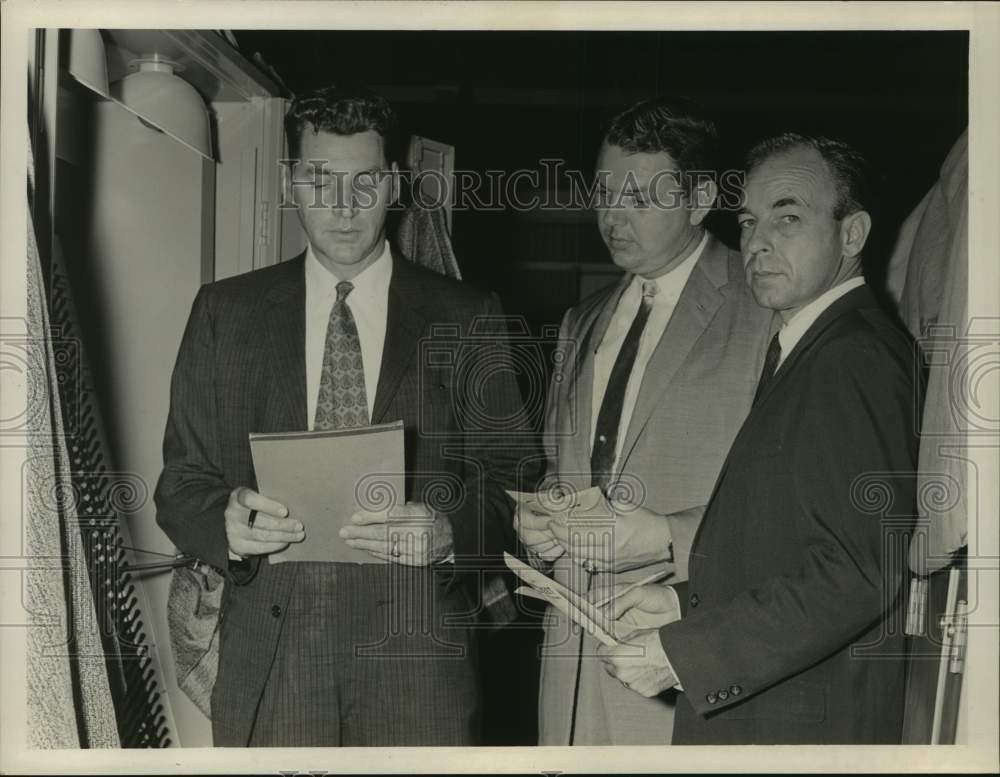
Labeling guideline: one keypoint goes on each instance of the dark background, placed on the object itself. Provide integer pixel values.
(507, 100)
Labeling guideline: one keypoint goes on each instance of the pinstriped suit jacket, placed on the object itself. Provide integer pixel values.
(241, 369)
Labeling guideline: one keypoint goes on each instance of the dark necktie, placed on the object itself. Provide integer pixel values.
(341, 401)
(602, 457)
(770, 365)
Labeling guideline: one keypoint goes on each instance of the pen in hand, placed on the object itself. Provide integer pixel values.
(644, 581)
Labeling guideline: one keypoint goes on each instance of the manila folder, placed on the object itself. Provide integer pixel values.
(323, 478)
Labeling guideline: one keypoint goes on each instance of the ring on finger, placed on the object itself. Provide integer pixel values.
(252, 519)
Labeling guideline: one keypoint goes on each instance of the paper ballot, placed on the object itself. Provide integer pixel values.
(323, 478)
(573, 606)
(555, 502)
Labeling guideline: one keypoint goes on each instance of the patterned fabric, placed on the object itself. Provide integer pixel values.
(59, 599)
(193, 605)
(341, 402)
(602, 458)
(422, 236)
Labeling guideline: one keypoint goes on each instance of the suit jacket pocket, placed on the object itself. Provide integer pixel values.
(793, 700)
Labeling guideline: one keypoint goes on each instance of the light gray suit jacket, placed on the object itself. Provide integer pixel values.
(695, 393)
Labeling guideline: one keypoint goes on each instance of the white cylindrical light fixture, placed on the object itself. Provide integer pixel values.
(166, 101)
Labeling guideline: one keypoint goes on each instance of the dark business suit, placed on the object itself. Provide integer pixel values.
(792, 629)
(241, 369)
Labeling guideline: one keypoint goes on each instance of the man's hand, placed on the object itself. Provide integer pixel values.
(640, 665)
(413, 535)
(646, 607)
(272, 528)
(533, 529)
(641, 537)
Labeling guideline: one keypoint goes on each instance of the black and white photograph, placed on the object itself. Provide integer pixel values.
(534, 387)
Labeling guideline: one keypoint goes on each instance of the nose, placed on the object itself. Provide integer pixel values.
(346, 208)
(754, 241)
(612, 216)
(341, 201)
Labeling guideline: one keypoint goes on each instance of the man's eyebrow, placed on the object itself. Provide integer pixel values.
(784, 201)
(743, 212)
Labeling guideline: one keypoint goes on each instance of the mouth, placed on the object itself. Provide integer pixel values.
(618, 243)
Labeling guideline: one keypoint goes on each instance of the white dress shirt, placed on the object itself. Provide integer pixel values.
(668, 291)
(792, 331)
(369, 304)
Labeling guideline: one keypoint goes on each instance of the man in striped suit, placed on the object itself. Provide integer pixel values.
(327, 654)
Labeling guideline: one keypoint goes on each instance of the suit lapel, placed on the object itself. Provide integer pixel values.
(698, 303)
(856, 298)
(285, 324)
(404, 326)
(580, 394)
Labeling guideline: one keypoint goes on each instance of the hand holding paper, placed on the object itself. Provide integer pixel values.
(410, 535)
(272, 528)
(645, 607)
(535, 511)
(640, 537)
(531, 522)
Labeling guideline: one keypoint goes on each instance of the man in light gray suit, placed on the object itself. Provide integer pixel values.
(657, 375)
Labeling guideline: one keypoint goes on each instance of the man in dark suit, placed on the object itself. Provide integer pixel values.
(791, 629)
(325, 654)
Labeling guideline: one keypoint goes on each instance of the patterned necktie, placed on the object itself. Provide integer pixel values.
(341, 401)
(602, 457)
(770, 366)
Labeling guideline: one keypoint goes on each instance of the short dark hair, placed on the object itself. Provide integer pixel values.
(849, 167)
(342, 110)
(672, 125)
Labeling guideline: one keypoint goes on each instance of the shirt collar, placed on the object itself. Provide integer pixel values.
(790, 334)
(370, 282)
(670, 285)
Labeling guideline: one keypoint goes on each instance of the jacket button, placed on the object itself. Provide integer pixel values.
(276, 611)
(735, 690)
(711, 698)
(695, 600)
(723, 694)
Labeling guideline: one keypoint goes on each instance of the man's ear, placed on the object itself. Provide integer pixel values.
(854, 231)
(702, 199)
(287, 175)
(394, 184)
